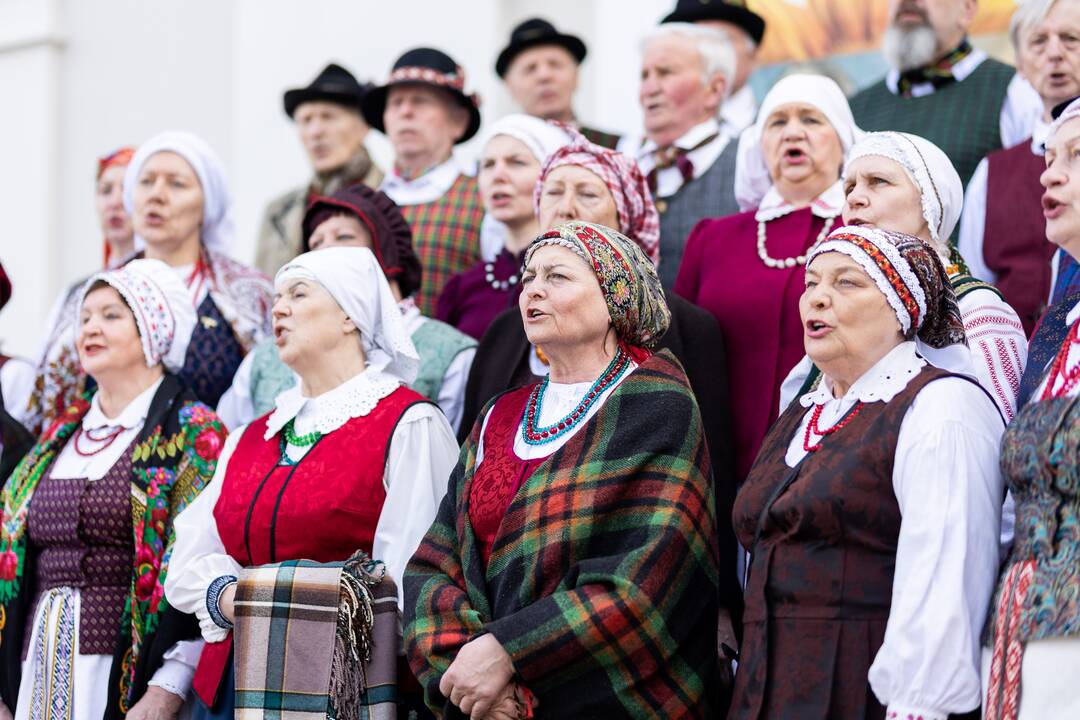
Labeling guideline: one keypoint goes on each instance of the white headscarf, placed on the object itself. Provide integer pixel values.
(542, 138)
(752, 179)
(161, 305)
(217, 224)
(354, 279)
(940, 189)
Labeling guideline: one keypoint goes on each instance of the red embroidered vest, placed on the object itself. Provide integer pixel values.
(501, 472)
(324, 508)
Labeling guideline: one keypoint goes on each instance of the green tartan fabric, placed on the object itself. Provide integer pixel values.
(600, 137)
(963, 118)
(602, 583)
(446, 235)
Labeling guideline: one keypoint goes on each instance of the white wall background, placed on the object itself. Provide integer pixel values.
(79, 78)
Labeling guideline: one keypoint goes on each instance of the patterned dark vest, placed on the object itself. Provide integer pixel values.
(213, 355)
(446, 234)
(1014, 241)
(710, 196)
(81, 532)
(1044, 345)
(963, 118)
(821, 575)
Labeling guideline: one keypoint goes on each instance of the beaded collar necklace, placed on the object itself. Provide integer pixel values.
(534, 435)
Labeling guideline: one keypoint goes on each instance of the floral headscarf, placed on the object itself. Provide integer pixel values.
(628, 281)
(638, 218)
(910, 275)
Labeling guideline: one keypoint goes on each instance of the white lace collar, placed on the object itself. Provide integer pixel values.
(132, 416)
(353, 398)
(828, 204)
(884, 381)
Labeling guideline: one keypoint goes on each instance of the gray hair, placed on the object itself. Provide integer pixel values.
(712, 44)
(1029, 14)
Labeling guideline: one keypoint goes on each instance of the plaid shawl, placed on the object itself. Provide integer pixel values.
(288, 618)
(602, 583)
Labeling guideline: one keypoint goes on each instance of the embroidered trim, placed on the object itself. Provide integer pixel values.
(888, 381)
(352, 399)
(213, 597)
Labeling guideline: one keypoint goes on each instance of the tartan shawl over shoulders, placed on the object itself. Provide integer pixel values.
(602, 583)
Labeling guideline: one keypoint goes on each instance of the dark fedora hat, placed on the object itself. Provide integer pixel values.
(733, 11)
(424, 66)
(334, 84)
(533, 33)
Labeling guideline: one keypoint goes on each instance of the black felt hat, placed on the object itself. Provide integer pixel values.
(424, 66)
(533, 33)
(733, 11)
(334, 84)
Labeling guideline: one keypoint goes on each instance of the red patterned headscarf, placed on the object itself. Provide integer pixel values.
(638, 218)
(119, 157)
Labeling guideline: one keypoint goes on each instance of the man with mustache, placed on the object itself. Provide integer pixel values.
(942, 88)
(424, 111)
(332, 130)
(540, 68)
(1002, 230)
(687, 155)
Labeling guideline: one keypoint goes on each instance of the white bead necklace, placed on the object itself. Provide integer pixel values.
(503, 285)
(788, 262)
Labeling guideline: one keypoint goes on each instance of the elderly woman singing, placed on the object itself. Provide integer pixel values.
(572, 568)
(350, 459)
(873, 509)
(88, 517)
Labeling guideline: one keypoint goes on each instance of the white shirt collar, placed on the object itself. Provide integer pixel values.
(884, 381)
(132, 416)
(1039, 132)
(689, 139)
(426, 188)
(960, 71)
(325, 413)
(828, 204)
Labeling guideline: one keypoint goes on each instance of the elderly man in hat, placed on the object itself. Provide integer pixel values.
(744, 29)
(332, 130)
(1002, 230)
(687, 156)
(942, 88)
(540, 69)
(424, 111)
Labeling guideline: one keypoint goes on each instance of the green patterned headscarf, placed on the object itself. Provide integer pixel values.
(628, 281)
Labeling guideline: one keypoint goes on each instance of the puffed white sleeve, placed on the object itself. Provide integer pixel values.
(452, 393)
(423, 452)
(199, 557)
(950, 492)
(236, 408)
(973, 224)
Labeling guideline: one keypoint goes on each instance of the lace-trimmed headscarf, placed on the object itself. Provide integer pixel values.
(631, 288)
(354, 279)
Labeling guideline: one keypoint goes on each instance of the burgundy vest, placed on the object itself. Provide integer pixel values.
(821, 575)
(1015, 247)
(82, 534)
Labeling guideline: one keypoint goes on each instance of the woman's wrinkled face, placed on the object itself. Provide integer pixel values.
(1061, 180)
(508, 175)
(168, 201)
(308, 323)
(344, 230)
(879, 193)
(572, 192)
(802, 149)
(561, 302)
(848, 324)
(109, 200)
(108, 340)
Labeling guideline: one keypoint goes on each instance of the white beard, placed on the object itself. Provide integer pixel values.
(909, 49)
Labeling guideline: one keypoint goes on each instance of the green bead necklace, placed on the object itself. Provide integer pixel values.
(289, 437)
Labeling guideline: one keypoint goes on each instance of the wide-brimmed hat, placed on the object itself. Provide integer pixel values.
(424, 66)
(334, 84)
(733, 11)
(535, 32)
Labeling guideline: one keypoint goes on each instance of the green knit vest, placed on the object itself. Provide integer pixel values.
(269, 377)
(437, 344)
(962, 118)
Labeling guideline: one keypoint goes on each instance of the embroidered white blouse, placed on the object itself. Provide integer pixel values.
(422, 454)
(949, 489)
